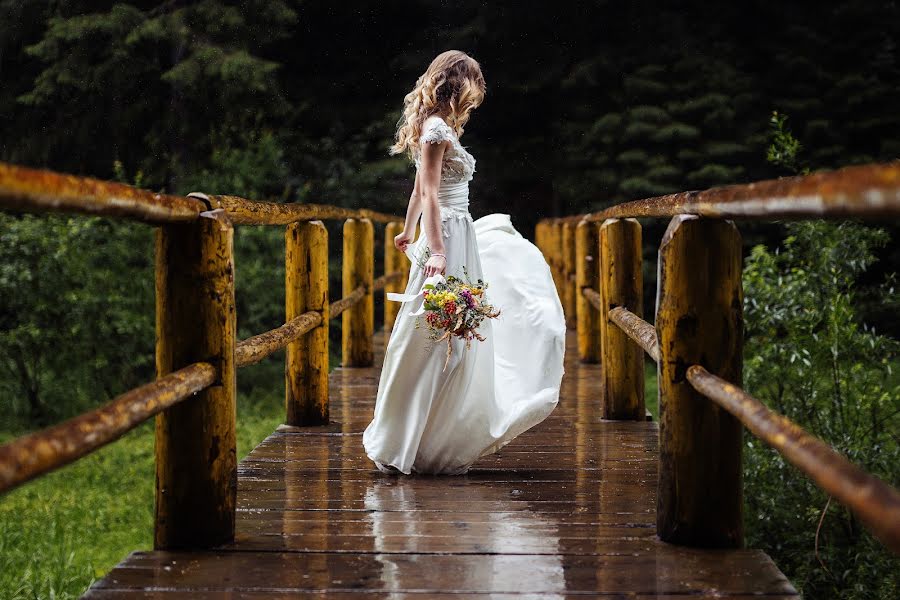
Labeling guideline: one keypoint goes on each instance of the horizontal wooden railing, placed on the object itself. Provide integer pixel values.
(697, 341)
(197, 354)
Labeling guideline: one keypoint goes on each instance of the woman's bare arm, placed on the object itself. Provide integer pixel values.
(429, 181)
(414, 210)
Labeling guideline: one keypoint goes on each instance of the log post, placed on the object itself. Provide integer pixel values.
(540, 229)
(394, 260)
(587, 275)
(568, 267)
(699, 320)
(555, 242)
(358, 321)
(306, 289)
(196, 458)
(621, 284)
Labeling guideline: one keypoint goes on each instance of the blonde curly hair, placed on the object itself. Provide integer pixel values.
(453, 86)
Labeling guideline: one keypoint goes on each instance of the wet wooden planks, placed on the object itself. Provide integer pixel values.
(566, 510)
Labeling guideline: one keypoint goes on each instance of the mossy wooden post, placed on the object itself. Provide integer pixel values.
(587, 267)
(358, 321)
(621, 284)
(196, 460)
(394, 260)
(306, 289)
(699, 320)
(568, 267)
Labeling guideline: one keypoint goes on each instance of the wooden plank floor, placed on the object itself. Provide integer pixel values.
(566, 510)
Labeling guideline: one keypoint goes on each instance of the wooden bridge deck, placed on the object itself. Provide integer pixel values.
(565, 510)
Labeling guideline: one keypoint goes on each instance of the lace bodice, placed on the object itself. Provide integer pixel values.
(457, 164)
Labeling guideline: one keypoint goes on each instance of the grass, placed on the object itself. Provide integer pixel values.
(651, 395)
(63, 531)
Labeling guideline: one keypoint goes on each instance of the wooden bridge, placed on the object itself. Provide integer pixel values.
(596, 500)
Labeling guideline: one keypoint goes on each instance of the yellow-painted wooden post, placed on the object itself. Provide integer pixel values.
(306, 289)
(394, 260)
(587, 275)
(699, 320)
(196, 459)
(540, 237)
(568, 267)
(621, 284)
(556, 239)
(358, 321)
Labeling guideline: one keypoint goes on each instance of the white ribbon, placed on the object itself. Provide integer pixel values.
(433, 280)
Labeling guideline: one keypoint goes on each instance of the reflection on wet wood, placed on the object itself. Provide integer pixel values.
(568, 508)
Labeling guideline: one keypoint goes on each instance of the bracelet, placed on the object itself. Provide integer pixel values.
(439, 254)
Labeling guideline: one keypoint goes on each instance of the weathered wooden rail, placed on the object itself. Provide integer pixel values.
(197, 353)
(697, 341)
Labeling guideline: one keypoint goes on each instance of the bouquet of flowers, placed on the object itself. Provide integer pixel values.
(453, 307)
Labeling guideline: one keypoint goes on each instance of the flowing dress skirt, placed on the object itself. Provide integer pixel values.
(431, 420)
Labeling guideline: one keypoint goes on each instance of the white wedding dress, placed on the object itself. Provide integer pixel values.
(431, 420)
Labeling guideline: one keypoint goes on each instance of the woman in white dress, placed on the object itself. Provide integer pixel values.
(432, 419)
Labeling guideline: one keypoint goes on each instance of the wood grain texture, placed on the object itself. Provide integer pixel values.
(38, 190)
(196, 458)
(358, 321)
(568, 268)
(621, 284)
(865, 191)
(699, 320)
(587, 275)
(38, 453)
(555, 240)
(565, 510)
(254, 349)
(306, 290)
(250, 212)
(639, 330)
(540, 237)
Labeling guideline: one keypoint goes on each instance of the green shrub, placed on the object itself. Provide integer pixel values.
(808, 357)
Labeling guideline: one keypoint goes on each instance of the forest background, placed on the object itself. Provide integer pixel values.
(588, 104)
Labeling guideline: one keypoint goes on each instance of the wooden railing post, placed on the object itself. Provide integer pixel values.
(306, 289)
(196, 458)
(621, 284)
(358, 321)
(540, 233)
(587, 275)
(568, 267)
(699, 320)
(394, 260)
(554, 239)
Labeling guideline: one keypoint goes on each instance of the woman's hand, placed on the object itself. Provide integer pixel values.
(402, 240)
(435, 264)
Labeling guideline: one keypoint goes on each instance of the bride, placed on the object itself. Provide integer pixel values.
(432, 419)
